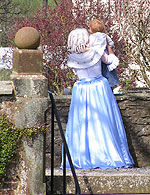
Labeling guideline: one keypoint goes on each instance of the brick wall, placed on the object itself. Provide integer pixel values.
(8, 184)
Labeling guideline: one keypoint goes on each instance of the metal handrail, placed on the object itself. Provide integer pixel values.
(65, 151)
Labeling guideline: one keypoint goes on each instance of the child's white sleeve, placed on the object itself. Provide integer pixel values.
(98, 40)
(96, 45)
(111, 60)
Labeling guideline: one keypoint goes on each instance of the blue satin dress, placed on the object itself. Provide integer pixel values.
(95, 132)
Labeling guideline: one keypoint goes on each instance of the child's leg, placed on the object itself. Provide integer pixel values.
(110, 75)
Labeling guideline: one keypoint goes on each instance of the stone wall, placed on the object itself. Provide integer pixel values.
(135, 110)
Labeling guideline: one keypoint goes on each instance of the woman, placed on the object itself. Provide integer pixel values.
(95, 133)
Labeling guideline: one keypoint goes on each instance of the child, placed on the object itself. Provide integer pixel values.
(98, 37)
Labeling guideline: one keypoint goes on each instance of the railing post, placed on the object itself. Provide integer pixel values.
(52, 149)
(64, 170)
(44, 157)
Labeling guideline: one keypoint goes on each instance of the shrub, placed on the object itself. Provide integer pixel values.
(9, 139)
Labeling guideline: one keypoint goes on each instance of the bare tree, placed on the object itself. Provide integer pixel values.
(8, 11)
(45, 3)
(135, 27)
(55, 2)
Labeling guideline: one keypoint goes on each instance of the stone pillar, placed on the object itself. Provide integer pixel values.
(27, 74)
(31, 92)
(31, 167)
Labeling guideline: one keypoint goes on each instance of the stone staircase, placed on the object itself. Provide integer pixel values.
(109, 181)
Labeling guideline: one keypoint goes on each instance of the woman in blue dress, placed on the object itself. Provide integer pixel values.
(95, 132)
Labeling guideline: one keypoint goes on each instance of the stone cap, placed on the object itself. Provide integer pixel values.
(27, 38)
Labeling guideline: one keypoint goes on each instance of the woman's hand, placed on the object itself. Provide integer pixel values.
(87, 48)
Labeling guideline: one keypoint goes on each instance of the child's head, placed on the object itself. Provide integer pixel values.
(97, 26)
(78, 40)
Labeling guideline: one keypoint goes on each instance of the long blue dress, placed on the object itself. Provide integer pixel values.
(95, 132)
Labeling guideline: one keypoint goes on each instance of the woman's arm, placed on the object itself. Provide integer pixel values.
(110, 59)
(110, 51)
(106, 59)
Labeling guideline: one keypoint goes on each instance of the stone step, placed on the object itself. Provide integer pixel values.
(109, 181)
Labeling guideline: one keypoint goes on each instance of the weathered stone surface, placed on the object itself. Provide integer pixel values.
(5, 74)
(31, 167)
(27, 61)
(109, 181)
(30, 85)
(26, 112)
(6, 87)
(27, 38)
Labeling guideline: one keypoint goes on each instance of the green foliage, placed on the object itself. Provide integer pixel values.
(52, 3)
(10, 139)
(28, 7)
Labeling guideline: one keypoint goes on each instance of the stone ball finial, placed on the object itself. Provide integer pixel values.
(27, 38)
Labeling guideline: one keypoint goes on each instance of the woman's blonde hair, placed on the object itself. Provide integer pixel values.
(78, 39)
(97, 26)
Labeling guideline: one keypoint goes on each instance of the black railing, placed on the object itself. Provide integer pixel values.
(65, 150)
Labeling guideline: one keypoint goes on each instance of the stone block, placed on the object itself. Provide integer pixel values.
(6, 87)
(27, 61)
(26, 112)
(30, 85)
